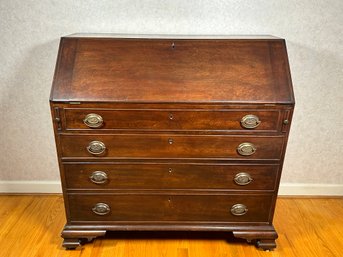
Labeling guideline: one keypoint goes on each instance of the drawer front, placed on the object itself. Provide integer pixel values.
(267, 120)
(170, 176)
(171, 146)
(153, 207)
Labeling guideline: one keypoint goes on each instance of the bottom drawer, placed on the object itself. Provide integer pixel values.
(172, 207)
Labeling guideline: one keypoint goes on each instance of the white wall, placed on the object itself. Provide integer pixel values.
(30, 32)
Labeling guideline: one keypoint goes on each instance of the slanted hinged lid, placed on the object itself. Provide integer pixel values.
(168, 69)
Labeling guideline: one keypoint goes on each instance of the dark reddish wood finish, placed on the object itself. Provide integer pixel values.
(171, 120)
(145, 207)
(191, 91)
(143, 70)
(160, 146)
(191, 176)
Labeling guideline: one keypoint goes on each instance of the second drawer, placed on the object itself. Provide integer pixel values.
(171, 176)
(172, 146)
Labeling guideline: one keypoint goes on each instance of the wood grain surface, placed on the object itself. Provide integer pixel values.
(31, 226)
(145, 207)
(173, 119)
(147, 175)
(172, 146)
(126, 70)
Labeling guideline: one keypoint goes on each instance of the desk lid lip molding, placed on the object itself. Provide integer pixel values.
(171, 36)
(266, 62)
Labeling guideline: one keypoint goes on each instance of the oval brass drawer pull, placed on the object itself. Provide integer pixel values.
(93, 120)
(96, 147)
(98, 177)
(250, 121)
(246, 149)
(239, 209)
(242, 179)
(101, 209)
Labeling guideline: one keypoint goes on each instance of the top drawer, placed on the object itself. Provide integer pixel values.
(171, 120)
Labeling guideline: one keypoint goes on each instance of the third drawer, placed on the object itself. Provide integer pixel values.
(119, 176)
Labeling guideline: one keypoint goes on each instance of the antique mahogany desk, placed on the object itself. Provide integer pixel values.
(171, 133)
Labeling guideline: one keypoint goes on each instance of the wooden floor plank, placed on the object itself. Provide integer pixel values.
(31, 226)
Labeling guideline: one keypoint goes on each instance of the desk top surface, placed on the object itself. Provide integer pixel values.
(172, 69)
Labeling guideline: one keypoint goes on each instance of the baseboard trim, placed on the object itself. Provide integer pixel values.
(289, 189)
(286, 189)
(32, 186)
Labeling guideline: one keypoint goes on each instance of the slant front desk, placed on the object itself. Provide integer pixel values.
(171, 133)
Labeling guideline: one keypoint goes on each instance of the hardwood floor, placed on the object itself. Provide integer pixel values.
(31, 225)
